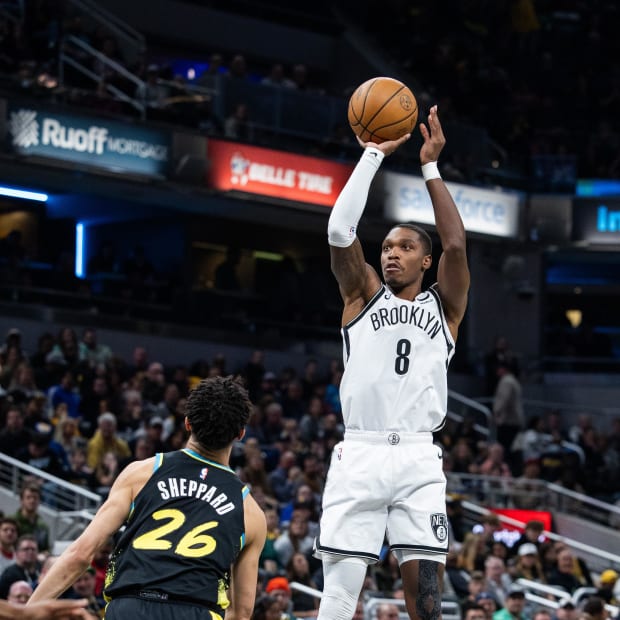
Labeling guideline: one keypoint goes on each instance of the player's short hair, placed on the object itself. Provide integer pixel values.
(425, 238)
(218, 409)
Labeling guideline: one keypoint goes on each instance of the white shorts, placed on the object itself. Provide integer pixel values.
(384, 483)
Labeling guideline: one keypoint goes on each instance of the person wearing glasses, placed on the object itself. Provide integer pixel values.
(26, 568)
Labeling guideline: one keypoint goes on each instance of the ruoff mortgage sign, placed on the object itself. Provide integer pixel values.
(93, 142)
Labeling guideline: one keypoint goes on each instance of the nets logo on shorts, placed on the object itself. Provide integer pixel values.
(439, 525)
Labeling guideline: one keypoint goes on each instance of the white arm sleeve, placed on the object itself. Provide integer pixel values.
(350, 204)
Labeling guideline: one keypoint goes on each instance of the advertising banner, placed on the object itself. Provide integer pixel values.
(266, 172)
(483, 210)
(596, 220)
(111, 145)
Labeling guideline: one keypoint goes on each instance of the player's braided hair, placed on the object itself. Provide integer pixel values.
(218, 409)
(425, 238)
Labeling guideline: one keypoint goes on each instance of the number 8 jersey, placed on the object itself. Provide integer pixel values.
(396, 354)
(184, 531)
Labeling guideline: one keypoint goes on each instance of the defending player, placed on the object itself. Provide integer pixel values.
(193, 533)
(398, 340)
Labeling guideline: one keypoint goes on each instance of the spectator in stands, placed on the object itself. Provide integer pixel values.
(66, 351)
(283, 488)
(605, 591)
(528, 491)
(542, 614)
(105, 474)
(151, 93)
(311, 425)
(387, 611)
(100, 563)
(566, 610)
(279, 588)
(22, 385)
(84, 587)
(276, 77)
(272, 425)
(296, 538)
(473, 611)
(80, 473)
(154, 385)
(594, 609)
(19, 593)
(475, 586)
(500, 354)
(25, 568)
(298, 570)
(9, 362)
(13, 437)
(238, 69)
(565, 573)
(498, 581)
(473, 552)
(93, 352)
(487, 601)
(105, 440)
(267, 608)
(237, 125)
(8, 538)
(528, 564)
(66, 392)
(40, 453)
(269, 560)
(508, 411)
(293, 405)
(27, 517)
(532, 533)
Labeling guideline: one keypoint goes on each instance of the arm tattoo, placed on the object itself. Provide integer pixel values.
(428, 601)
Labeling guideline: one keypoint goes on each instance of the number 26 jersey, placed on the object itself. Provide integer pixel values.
(185, 530)
(396, 354)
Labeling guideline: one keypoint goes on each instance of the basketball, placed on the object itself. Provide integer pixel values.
(382, 109)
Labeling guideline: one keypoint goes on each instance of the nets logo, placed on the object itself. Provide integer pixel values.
(439, 525)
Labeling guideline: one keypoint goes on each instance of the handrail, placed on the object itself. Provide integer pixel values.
(108, 62)
(450, 608)
(489, 429)
(114, 24)
(74, 490)
(600, 553)
(562, 595)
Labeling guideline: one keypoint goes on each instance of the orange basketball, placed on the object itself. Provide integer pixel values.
(382, 109)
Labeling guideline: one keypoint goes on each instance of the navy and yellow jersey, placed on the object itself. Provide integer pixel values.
(184, 531)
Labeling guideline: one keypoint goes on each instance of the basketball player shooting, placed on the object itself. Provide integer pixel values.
(386, 476)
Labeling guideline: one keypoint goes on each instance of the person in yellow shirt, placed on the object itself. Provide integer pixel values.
(105, 440)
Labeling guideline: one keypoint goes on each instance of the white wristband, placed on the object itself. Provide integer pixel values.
(430, 171)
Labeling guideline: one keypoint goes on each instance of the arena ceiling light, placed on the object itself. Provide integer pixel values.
(13, 192)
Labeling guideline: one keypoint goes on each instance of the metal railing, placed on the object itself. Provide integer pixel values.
(604, 559)
(461, 407)
(73, 48)
(131, 40)
(530, 495)
(66, 508)
(450, 609)
(552, 597)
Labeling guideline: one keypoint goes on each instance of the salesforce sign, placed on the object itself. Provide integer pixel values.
(111, 145)
(483, 211)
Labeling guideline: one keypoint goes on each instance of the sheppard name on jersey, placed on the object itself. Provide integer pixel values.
(409, 315)
(182, 487)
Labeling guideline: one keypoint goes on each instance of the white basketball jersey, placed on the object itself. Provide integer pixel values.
(396, 355)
